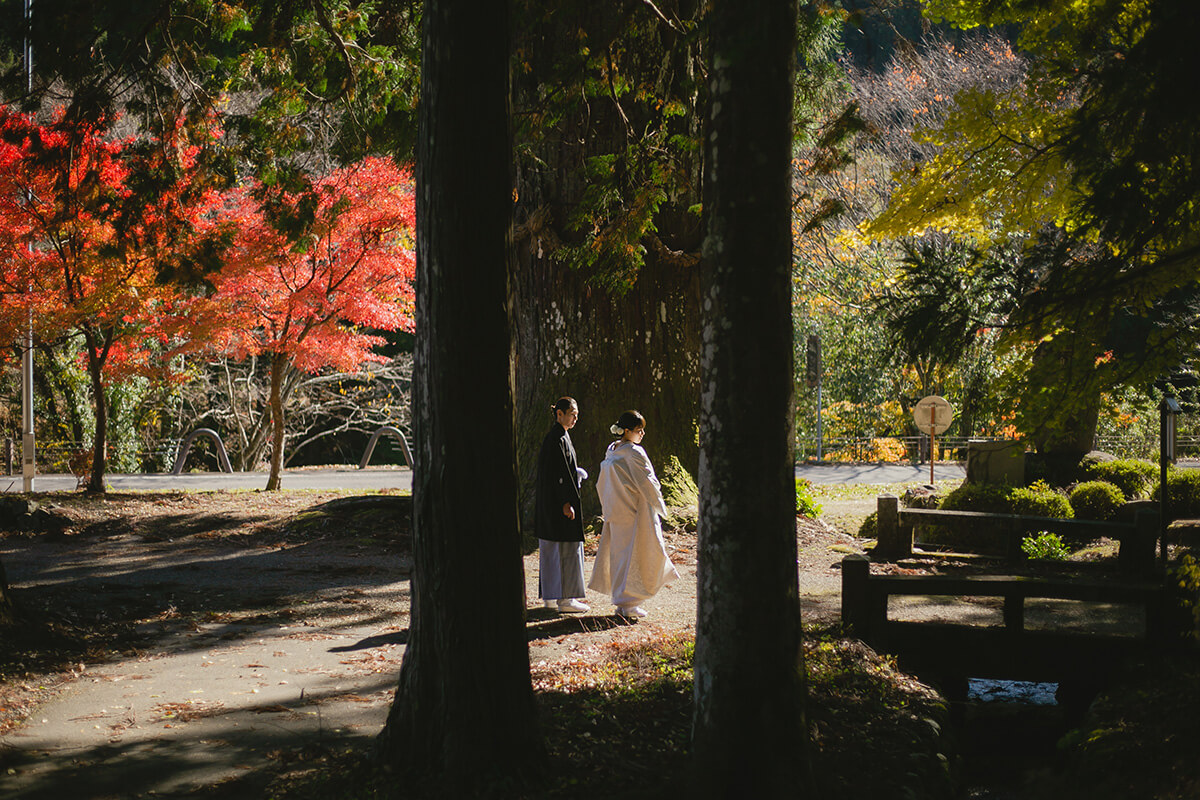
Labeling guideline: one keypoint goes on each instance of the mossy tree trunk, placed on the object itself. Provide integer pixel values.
(640, 350)
(608, 310)
(464, 711)
(748, 731)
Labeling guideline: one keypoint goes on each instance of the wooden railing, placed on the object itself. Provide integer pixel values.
(1002, 651)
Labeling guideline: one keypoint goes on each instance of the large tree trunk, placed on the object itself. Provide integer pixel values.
(613, 344)
(464, 710)
(748, 728)
(640, 350)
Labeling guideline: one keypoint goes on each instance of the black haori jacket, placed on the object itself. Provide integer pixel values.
(557, 485)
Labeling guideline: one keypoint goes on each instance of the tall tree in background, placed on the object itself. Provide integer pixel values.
(748, 730)
(309, 276)
(464, 709)
(293, 81)
(89, 220)
(1095, 154)
(609, 106)
(608, 100)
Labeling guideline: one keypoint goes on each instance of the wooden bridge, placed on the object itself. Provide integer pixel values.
(1077, 657)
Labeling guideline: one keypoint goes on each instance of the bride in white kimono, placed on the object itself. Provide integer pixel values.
(632, 562)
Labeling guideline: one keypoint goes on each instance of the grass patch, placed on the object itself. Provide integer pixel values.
(859, 491)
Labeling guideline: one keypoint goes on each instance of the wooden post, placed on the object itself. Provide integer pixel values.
(1012, 545)
(932, 441)
(1014, 612)
(892, 541)
(1137, 550)
(856, 615)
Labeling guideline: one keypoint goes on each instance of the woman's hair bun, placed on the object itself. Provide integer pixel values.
(617, 430)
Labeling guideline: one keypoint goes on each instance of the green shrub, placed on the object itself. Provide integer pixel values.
(1132, 476)
(1183, 493)
(1098, 500)
(1037, 500)
(1045, 546)
(806, 505)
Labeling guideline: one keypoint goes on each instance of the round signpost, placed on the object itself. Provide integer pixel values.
(933, 415)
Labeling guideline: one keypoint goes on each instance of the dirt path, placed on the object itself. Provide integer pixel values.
(248, 628)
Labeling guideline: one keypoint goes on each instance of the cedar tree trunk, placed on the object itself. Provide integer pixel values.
(612, 347)
(611, 353)
(464, 709)
(748, 727)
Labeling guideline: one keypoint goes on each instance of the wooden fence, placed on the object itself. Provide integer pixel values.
(1010, 650)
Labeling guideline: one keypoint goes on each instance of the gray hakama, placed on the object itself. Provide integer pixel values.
(560, 570)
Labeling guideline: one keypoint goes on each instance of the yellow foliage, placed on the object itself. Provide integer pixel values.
(887, 450)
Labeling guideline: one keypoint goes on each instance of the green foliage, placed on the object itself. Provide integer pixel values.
(336, 77)
(616, 212)
(1087, 165)
(1096, 500)
(851, 756)
(1045, 546)
(1037, 500)
(1185, 574)
(1132, 476)
(806, 504)
(1183, 493)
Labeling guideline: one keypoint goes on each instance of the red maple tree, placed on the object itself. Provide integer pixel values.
(88, 221)
(312, 295)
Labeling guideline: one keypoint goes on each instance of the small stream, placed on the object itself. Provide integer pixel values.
(1008, 737)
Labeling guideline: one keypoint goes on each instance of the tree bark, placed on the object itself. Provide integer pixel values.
(8, 611)
(279, 365)
(464, 709)
(748, 727)
(611, 348)
(96, 354)
(639, 350)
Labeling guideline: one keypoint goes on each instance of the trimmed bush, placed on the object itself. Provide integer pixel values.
(1098, 500)
(1132, 476)
(1038, 500)
(1183, 493)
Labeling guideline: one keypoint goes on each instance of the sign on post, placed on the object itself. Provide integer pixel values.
(933, 415)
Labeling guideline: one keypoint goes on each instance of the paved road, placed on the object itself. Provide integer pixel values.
(377, 478)
(343, 478)
(877, 473)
